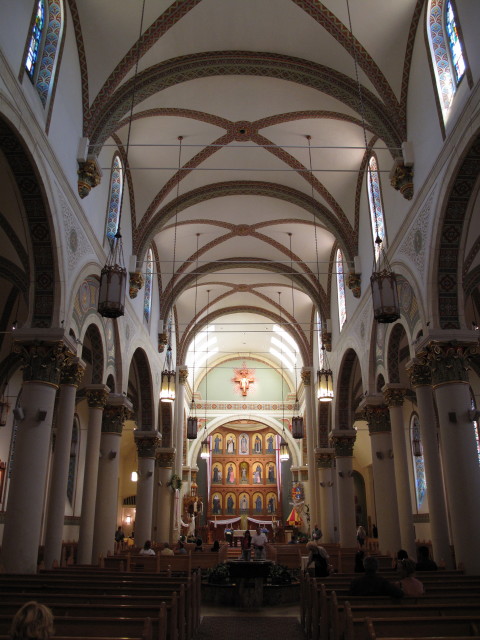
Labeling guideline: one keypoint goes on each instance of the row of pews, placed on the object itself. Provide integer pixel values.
(92, 602)
(131, 561)
(450, 608)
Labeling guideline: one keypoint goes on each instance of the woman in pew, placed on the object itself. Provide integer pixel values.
(216, 546)
(147, 549)
(371, 584)
(33, 621)
(318, 557)
(408, 583)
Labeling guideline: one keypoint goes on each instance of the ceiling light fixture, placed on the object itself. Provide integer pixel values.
(284, 454)
(205, 449)
(192, 420)
(297, 420)
(113, 277)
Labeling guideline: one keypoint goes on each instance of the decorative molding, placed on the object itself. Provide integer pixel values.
(417, 240)
(165, 457)
(448, 361)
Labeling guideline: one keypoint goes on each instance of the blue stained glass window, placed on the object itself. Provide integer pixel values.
(476, 427)
(454, 42)
(342, 308)
(35, 40)
(147, 301)
(418, 461)
(375, 202)
(115, 199)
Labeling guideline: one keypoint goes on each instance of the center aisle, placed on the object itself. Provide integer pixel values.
(254, 627)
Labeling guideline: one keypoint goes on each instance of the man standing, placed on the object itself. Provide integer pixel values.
(259, 540)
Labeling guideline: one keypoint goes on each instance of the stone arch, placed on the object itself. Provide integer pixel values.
(349, 390)
(397, 352)
(41, 238)
(93, 355)
(140, 379)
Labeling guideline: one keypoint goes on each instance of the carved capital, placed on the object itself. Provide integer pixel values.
(164, 457)
(354, 284)
(377, 418)
(97, 396)
(420, 375)
(394, 397)
(401, 179)
(306, 377)
(72, 371)
(183, 375)
(117, 411)
(324, 458)
(448, 361)
(147, 443)
(343, 441)
(162, 342)
(136, 283)
(327, 340)
(89, 176)
(42, 360)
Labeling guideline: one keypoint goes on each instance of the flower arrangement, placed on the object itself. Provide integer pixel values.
(175, 482)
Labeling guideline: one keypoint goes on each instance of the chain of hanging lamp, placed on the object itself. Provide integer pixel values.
(297, 420)
(383, 281)
(192, 421)
(205, 449)
(284, 455)
(113, 277)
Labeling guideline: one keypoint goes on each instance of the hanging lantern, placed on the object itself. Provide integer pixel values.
(113, 283)
(386, 308)
(205, 450)
(192, 424)
(284, 454)
(167, 386)
(297, 427)
(4, 409)
(324, 385)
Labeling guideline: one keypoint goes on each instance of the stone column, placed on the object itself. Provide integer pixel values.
(147, 443)
(449, 363)
(421, 381)
(164, 508)
(43, 356)
(324, 459)
(70, 378)
(378, 419)
(97, 395)
(394, 395)
(118, 409)
(310, 423)
(343, 441)
(178, 419)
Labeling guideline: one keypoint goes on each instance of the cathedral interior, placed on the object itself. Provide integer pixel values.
(240, 273)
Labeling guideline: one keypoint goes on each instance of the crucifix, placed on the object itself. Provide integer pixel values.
(244, 377)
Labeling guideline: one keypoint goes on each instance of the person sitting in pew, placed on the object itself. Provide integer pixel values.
(216, 546)
(410, 585)
(147, 549)
(180, 548)
(396, 562)
(33, 621)
(166, 551)
(198, 545)
(425, 563)
(371, 584)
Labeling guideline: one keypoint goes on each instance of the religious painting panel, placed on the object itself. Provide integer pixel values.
(257, 502)
(243, 502)
(217, 444)
(244, 445)
(243, 468)
(231, 473)
(257, 474)
(231, 443)
(271, 502)
(216, 504)
(230, 504)
(271, 473)
(257, 444)
(217, 473)
(270, 443)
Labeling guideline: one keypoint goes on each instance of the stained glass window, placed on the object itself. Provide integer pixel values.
(446, 48)
(147, 301)
(418, 461)
(342, 309)
(72, 466)
(319, 341)
(375, 202)
(35, 40)
(115, 199)
(476, 426)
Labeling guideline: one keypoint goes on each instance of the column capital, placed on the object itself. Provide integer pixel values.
(327, 340)
(324, 457)
(306, 374)
(118, 409)
(43, 353)
(343, 441)
(97, 395)
(136, 283)
(420, 374)
(353, 282)
(165, 457)
(183, 374)
(147, 442)
(394, 394)
(72, 371)
(376, 414)
(448, 361)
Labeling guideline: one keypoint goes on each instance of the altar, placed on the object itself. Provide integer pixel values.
(239, 533)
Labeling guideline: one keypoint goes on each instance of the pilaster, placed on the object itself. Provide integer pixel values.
(147, 443)
(343, 441)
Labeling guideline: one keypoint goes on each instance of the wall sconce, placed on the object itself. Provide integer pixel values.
(19, 413)
(41, 415)
(128, 519)
(379, 455)
(329, 484)
(390, 454)
(112, 455)
(134, 476)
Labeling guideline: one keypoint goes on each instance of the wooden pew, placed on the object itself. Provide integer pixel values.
(426, 627)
